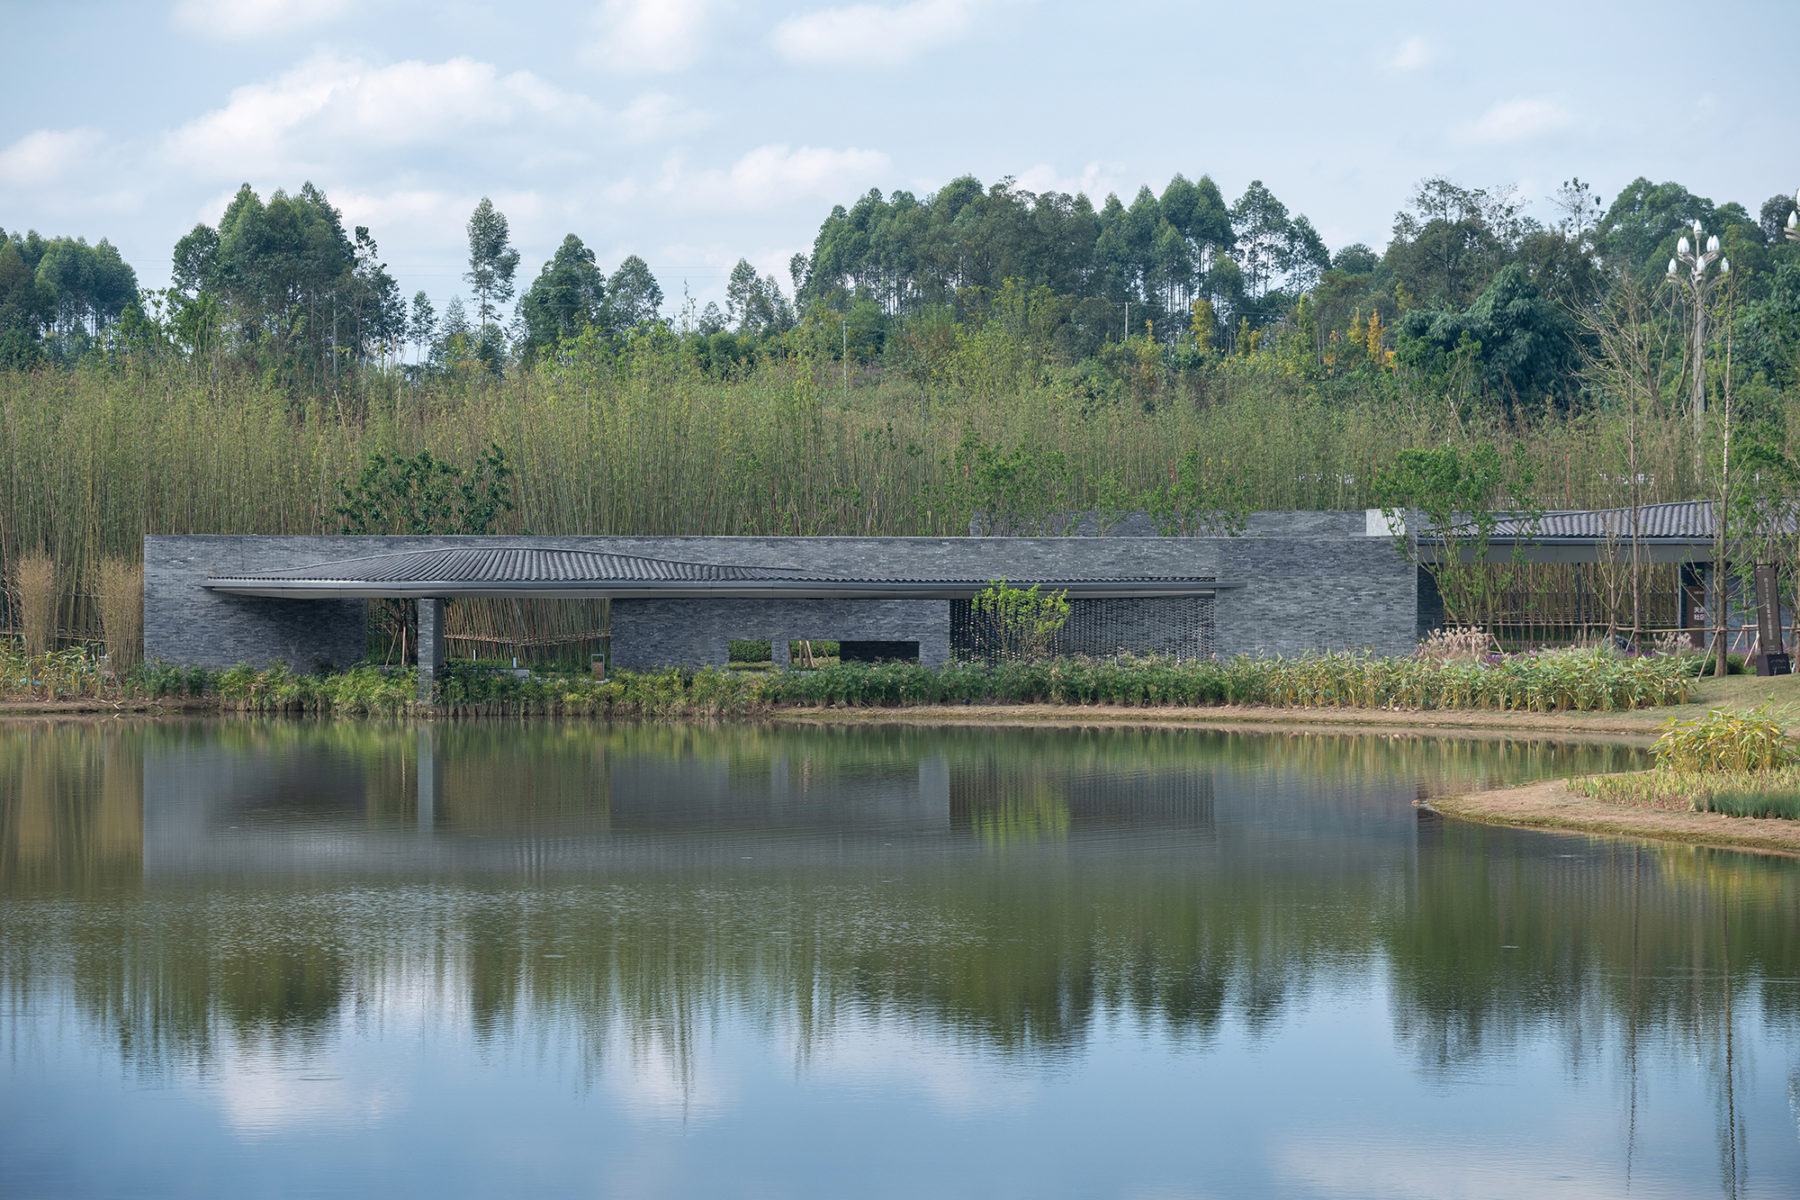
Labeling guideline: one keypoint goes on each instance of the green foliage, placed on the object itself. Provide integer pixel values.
(284, 286)
(1726, 740)
(1459, 493)
(569, 295)
(1749, 793)
(1021, 493)
(1202, 497)
(1017, 624)
(492, 261)
(1754, 803)
(1582, 681)
(424, 494)
(1522, 343)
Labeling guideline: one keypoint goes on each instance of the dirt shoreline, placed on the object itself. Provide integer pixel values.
(1553, 806)
(1631, 726)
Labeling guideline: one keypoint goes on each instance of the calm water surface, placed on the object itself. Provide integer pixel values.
(280, 959)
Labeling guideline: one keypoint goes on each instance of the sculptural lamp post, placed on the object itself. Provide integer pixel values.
(1699, 258)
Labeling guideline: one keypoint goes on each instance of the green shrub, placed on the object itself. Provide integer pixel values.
(1726, 740)
(748, 652)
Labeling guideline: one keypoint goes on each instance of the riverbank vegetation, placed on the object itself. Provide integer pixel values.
(1741, 763)
(1567, 681)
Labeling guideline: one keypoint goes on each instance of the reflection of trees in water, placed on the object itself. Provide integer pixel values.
(71, 806)
(1490, 938)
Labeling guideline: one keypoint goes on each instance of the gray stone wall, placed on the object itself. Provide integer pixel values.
(1309, 581)
(1330, 593)
(663, 633)
(190, 626)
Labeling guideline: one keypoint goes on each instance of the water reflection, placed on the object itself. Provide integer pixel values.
(316, 921)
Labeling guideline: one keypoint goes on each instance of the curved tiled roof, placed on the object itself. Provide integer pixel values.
(1679, 520)
(518, 564)
(523, 570)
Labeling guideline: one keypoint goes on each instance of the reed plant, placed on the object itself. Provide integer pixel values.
(34, 586)
(1734, 793)
(122, 611)
(1727, 740)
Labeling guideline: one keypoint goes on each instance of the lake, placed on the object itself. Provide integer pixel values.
(282, 958)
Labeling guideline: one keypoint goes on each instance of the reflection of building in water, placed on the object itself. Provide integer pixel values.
(999, 797)
(297, 798)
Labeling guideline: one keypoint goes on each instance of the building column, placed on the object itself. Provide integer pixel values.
(778, 652)
(431, 648)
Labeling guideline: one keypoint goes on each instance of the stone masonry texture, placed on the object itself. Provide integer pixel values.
(1313, 581)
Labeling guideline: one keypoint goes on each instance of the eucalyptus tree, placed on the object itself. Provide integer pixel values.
(492, 261)
(285, 284)
(633, 294)
(568, 296)
(421, 328)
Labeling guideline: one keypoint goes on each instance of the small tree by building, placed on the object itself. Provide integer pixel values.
(1459, 494)
(1017, 624)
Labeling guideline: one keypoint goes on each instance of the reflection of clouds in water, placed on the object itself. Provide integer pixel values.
(264, 1092)
(1794, 1100)
(1358, 1163)
(655, 1077)
(890, 1056)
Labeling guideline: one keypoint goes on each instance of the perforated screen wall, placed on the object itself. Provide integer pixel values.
(1180, 627)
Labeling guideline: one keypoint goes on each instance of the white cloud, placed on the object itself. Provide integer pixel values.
(1096, 181)
(328, 107)
(649, 36)
(1411, 54)
(864, 35)
(237, 19)
(658, 115)
(777, 174)
(45, 156)
(1515, 121)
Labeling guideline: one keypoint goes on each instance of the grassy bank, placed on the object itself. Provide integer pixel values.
(1729, 777)
(1557, 806)
(1568, 681)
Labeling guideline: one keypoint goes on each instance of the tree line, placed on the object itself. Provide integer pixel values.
(1470, 293)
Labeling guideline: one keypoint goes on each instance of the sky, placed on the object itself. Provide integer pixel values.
(696, 132)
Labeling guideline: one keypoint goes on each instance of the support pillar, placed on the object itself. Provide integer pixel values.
(431, 648)
(778, 652)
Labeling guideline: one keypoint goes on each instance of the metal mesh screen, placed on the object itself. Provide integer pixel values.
(1179, 627)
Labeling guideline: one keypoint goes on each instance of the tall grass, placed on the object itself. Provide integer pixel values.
(122, 611)
(34, 583)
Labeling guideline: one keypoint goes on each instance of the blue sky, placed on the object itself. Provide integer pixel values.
(693, 132)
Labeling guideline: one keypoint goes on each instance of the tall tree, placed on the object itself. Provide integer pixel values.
(492, 261)
(633, 294)
(568, 295)
(422, 328)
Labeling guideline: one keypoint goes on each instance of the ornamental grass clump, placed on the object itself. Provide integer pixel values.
(34, 584)
(1726, 740)
(122, 612)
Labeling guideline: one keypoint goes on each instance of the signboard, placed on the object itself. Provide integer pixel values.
(1771, 658)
